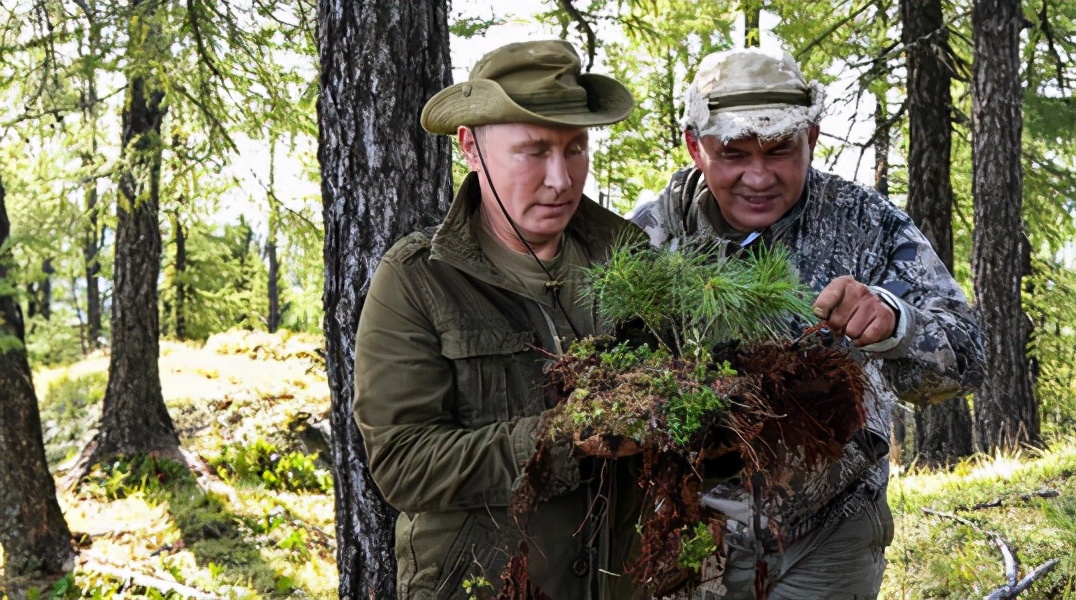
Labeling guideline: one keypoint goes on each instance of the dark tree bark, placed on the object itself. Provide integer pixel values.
(273, 322)
(943, 432)
(33, 532)
(91, 243)
(882, 135)
(1006, 413)
(382, 177)
(32, 301)
(46, 289)
(752, 16)
(91, 249)
(180, 281)
(883, 131)
(40, 294)
(133, 417)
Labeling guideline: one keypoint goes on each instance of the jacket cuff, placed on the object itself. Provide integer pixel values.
(896, 344)
(524, 438)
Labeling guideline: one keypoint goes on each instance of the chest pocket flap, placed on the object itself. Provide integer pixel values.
(498, 374)
(457, 344)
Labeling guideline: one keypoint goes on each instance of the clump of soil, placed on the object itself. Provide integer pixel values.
(741, 410)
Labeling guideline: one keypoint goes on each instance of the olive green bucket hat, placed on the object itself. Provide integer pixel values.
(529, 82)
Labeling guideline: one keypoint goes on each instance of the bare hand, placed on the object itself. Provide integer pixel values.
(851, 309)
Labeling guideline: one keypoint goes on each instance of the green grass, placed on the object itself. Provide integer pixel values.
(258, 524)
(69, 410)
(938, 557)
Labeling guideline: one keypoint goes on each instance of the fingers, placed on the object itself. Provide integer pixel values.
(831, 297)
(851, 309)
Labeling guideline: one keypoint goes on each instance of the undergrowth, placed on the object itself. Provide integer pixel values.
(69, 410)
(257, 523)
(1027, 498)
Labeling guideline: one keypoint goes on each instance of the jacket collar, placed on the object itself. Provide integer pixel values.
(455, 242)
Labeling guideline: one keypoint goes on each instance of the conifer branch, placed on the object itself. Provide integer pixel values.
(693, 296)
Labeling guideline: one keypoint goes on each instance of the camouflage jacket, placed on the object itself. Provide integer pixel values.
(842, 228)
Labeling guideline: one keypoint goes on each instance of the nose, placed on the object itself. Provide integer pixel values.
(758, 174)
(556, 173)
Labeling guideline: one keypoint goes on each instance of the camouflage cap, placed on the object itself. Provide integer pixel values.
(751, 92)
(529, 82)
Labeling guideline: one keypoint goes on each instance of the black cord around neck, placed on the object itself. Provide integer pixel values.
(551, 284)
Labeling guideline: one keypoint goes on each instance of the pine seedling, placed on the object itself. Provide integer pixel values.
(697, 299)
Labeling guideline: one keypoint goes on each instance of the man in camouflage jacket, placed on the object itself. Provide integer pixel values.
(751, 122)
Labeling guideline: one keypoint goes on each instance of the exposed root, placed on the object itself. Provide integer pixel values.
(781, 403)
(517, 582)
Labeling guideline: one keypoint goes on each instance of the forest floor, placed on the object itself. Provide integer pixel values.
(260, 523)
(252, 407)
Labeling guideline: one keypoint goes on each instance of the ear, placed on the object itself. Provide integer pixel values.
(465, 137)
(693, 147)
(812, 136)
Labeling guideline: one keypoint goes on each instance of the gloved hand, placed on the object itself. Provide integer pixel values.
(551, 469)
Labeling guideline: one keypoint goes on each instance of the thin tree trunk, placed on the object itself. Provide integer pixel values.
(31, 300)
(90, 252)
(380, 62)
(882, 136)
(180, 279)
(943, 432)
(752, 16)
(45, 305)
(270, 243)
(273, 287)
(881, 148)
(1006, 413)
(91, 247)
(134, 418)
(33, 532)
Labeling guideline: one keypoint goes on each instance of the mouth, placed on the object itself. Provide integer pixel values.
(555, 205)
(758, 201)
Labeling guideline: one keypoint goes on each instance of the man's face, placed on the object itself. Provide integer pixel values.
(755, 183)
(539, 173)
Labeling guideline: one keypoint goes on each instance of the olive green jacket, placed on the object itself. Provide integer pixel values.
(449, 389)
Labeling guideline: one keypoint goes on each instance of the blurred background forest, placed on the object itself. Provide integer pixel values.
(179, 144)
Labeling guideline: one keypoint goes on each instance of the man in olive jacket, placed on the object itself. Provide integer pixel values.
(751, 124)
(460, 320)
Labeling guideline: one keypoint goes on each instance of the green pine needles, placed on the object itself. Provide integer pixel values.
(692, 299)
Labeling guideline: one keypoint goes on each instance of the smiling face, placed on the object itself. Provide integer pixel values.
(539, 173)
(755, 183)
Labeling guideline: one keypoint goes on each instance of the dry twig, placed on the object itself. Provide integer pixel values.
(1011, 588)
(147, 581)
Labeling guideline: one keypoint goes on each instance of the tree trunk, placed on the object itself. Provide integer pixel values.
(134, 418)
(273, 287)
(882, 135)
(273, 290)
(31, 300)
(90, 252)
(943, 431)
(33, 532)
(1006, 413)
(180, 279)
(882, 130)
(380, 62)
(752, 16)
(45, 305)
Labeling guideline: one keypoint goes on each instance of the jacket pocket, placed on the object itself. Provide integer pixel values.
(477, 552)
(495, 371)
